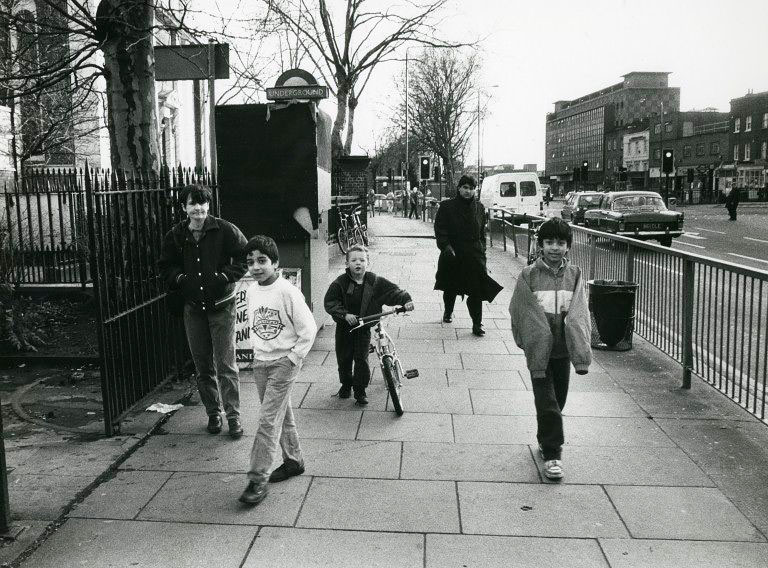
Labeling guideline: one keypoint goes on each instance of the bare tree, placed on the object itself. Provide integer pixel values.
(346, 47)
(441, 112)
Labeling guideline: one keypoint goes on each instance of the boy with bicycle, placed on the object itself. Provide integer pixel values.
(358, 293)
(551, 324)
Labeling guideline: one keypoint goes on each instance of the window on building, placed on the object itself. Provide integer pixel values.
(686, 151)
(657, 154)
(765, 120)
(699, 149)
(737, 125)
(657, 129)
(668, 127)
(747, 151)
(735, 152)
(764, 151)
(714, 148)
(748, 124)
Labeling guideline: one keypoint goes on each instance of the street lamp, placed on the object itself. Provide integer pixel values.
(479, 152)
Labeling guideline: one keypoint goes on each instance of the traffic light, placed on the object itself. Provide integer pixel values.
(425, 167)
(437, 172)
(667, 161)
(622, 173)
(584, 170)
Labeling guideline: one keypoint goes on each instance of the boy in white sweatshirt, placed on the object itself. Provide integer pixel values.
(282, 331)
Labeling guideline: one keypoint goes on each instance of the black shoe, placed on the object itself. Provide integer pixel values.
(214, 424)
(235, 428)
(447, 317)
(253, 494)
(360, 397)
(478, 330)
(289, 468)
(345, 391)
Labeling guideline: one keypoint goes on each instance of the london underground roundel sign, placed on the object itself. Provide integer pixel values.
(296, 84)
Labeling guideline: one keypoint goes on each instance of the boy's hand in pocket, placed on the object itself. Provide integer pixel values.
(351, 319)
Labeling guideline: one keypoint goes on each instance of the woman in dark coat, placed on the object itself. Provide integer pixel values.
(460, 234)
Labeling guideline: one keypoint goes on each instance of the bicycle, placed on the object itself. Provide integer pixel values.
(384, 348)
(352, 231)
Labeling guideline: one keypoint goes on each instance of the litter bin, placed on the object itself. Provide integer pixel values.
(612, 309)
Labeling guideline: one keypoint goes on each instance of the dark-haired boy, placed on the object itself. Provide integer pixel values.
(282, 332)
(355, 294)
(203, 257)
(551, 324)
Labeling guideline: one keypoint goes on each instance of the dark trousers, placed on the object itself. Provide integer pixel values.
(414, 211)
(474, 306)
(549, 394)
(352, 356)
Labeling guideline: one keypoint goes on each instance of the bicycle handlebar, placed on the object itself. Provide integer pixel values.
(361, 322)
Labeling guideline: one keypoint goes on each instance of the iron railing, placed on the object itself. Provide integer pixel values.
(711, 316)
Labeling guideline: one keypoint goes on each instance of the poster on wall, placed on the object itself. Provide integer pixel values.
(243, 351)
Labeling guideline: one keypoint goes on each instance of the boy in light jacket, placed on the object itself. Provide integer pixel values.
(551, 324)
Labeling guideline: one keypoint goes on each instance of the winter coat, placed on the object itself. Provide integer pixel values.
(546, 305)
(461, 224)
(377, 291)
(206, 270)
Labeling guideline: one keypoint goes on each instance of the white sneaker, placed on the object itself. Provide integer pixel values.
(553, 469)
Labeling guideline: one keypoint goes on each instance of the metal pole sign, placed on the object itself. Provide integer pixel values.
(190, 62)
(297, 84)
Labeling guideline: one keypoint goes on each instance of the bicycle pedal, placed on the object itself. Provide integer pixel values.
(411, 373)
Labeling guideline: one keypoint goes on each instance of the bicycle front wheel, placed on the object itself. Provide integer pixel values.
(392, 377)
(359, 237)
(341, 235)
(364, 234)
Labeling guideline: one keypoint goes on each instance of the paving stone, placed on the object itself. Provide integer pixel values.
(493, 362)
(603, 404)
(121, 497)
(629, 466)
(122, 544)
(43, 497)
(327, 424)
(507, 402)
(594, 381)
(327, 373)
(693, 513)
(347, 458)
(477, 379)
(324, 344)
(704, 402)
(452, 400)
(92, 458)
(184, 452)
(410, 427)
(381, 505)
(510, 344)
(421, 346)
(624, 553)
(468, 462)
(461, 551)
(432, 331)
(311, 548)
(212, 498)
(579, 511)
(492, 429)
(599, 431)
(316, 357)
(489, 347)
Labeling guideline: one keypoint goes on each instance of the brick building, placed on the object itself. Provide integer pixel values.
(581, 129)
(748, 144)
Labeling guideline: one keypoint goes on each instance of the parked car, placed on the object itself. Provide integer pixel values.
(576, 204)
(637, 214)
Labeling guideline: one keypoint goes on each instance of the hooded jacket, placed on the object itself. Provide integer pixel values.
(546, 306)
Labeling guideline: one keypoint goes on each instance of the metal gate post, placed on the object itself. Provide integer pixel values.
(630, 270)
(490, 227)
(7, 531)
(504, 228)
(592, 256)
(688, 290)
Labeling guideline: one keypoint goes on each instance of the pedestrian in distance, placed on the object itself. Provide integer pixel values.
(283, 330)
(732, 203)
(390, 201)
(461, 268)
(414, 203)
(355, 294)
(551, 324)
(371, 202)
(202, 258)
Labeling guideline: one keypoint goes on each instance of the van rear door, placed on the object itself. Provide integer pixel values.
(530, 197)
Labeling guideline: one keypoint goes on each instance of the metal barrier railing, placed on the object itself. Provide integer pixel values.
(711, 316)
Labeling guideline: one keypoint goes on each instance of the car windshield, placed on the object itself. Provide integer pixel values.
(589, 201)
(641, 202)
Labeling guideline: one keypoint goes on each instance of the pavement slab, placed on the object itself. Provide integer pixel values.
(311, 548)
(327, 424)
(521, 509)
(602, 431)
(625, 553)
(454, 400)
(122, 497)
(682, 513)
(43, 497)
(102, 543)
(381, 505)
(465, 551)
(212, 498)
(485, 379)
(494, 429)
(468, 462)
(348, 458)
(486, 362)
(410, 427)
(322, 396)
(192, 452)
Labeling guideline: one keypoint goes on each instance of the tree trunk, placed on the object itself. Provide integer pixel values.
(342, 94)
(352, 104)
(125, 27)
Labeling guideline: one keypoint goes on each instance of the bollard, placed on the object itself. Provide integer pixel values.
(7, 531)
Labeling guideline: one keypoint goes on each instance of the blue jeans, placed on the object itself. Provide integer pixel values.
(211, 337)
(277, 425)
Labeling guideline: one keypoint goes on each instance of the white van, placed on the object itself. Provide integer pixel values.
(519, 192)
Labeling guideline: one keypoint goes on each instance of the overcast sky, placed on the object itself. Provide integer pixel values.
(540, 51)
